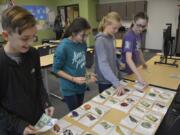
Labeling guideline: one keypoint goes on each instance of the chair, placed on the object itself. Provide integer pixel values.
(44, 50)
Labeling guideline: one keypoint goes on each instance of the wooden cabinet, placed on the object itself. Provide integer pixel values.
(141, 6)
(120, 8)
(102, 9)
(127, 10)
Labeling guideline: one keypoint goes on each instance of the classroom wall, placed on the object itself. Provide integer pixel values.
(160, 12)
(87, 9)
(42, 34)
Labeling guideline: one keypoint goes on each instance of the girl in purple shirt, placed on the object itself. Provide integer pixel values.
(132, 55)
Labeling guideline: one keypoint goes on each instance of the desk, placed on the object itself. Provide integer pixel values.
(114, 116)
(159, 75)
(39, 46)
(45, 62)
(54, 41)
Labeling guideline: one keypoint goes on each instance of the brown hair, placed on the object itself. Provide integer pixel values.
(17, 19)
(141, 15)
(109, 18)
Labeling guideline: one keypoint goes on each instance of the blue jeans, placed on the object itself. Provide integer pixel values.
(103, 87)
(74, 101)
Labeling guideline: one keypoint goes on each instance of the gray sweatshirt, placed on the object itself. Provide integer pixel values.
(105, 60)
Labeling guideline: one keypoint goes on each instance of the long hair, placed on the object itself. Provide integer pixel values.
(109, 18)
(79, 24)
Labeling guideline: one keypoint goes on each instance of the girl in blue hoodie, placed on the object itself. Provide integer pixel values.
(106, 66)
(70, 61)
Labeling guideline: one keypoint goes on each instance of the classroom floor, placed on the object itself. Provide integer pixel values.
(60, 106)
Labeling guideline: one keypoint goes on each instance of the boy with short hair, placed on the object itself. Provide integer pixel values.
(23, 98)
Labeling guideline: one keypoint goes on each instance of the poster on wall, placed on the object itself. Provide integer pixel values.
(41, 15)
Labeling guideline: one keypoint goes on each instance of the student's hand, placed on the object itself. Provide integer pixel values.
(79, 80)
(141, 80)
(29, 130)
(50, 111)
(145, 66)
(119, 90)
(93, 78)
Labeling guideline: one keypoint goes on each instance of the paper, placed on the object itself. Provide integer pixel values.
(63, 124)
(139, 86)
(146, 128)
(95, 108)
(49, 126)
(45, 123)
(120, 130)
(138, 111)
(124, 82)
(100, 98)
(89, 120)
(146, 103)
(103, 127)
(130, 121)
(109, 92)
(139, 93)
(112, 102)
(77, 114)
(72, 130)
(153, 117)
(160, 107)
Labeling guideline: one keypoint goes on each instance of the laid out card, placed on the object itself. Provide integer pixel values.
(89, 120)
(109, 92)
(120, 130)
(139, 93)
(130, 121)
(146, 128)
(100, 98)
(104, 127)
(95, 108)
(146, 103)
(77, 114)
(139, 86)
(112, 102)
(139, 111)
(124, 82)
(160, 107)
(72, 130)
(153, 117)
(63, 124)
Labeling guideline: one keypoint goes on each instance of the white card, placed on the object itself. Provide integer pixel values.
(160, 107)
(89, 120)
(146, 128)
(77, 114)
(109, 92)
(124, 82)
(120, 130)
(103, 127)
(130, 121)
(100, 98)
(72, 130)
(138, 111)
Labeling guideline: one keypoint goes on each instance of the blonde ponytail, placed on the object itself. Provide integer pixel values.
(109, 18)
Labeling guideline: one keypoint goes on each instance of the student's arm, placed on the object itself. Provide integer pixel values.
(103, 63)
(143, 62)
(133, 67)
(42, 91)
(78, 80)
(59, 61)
